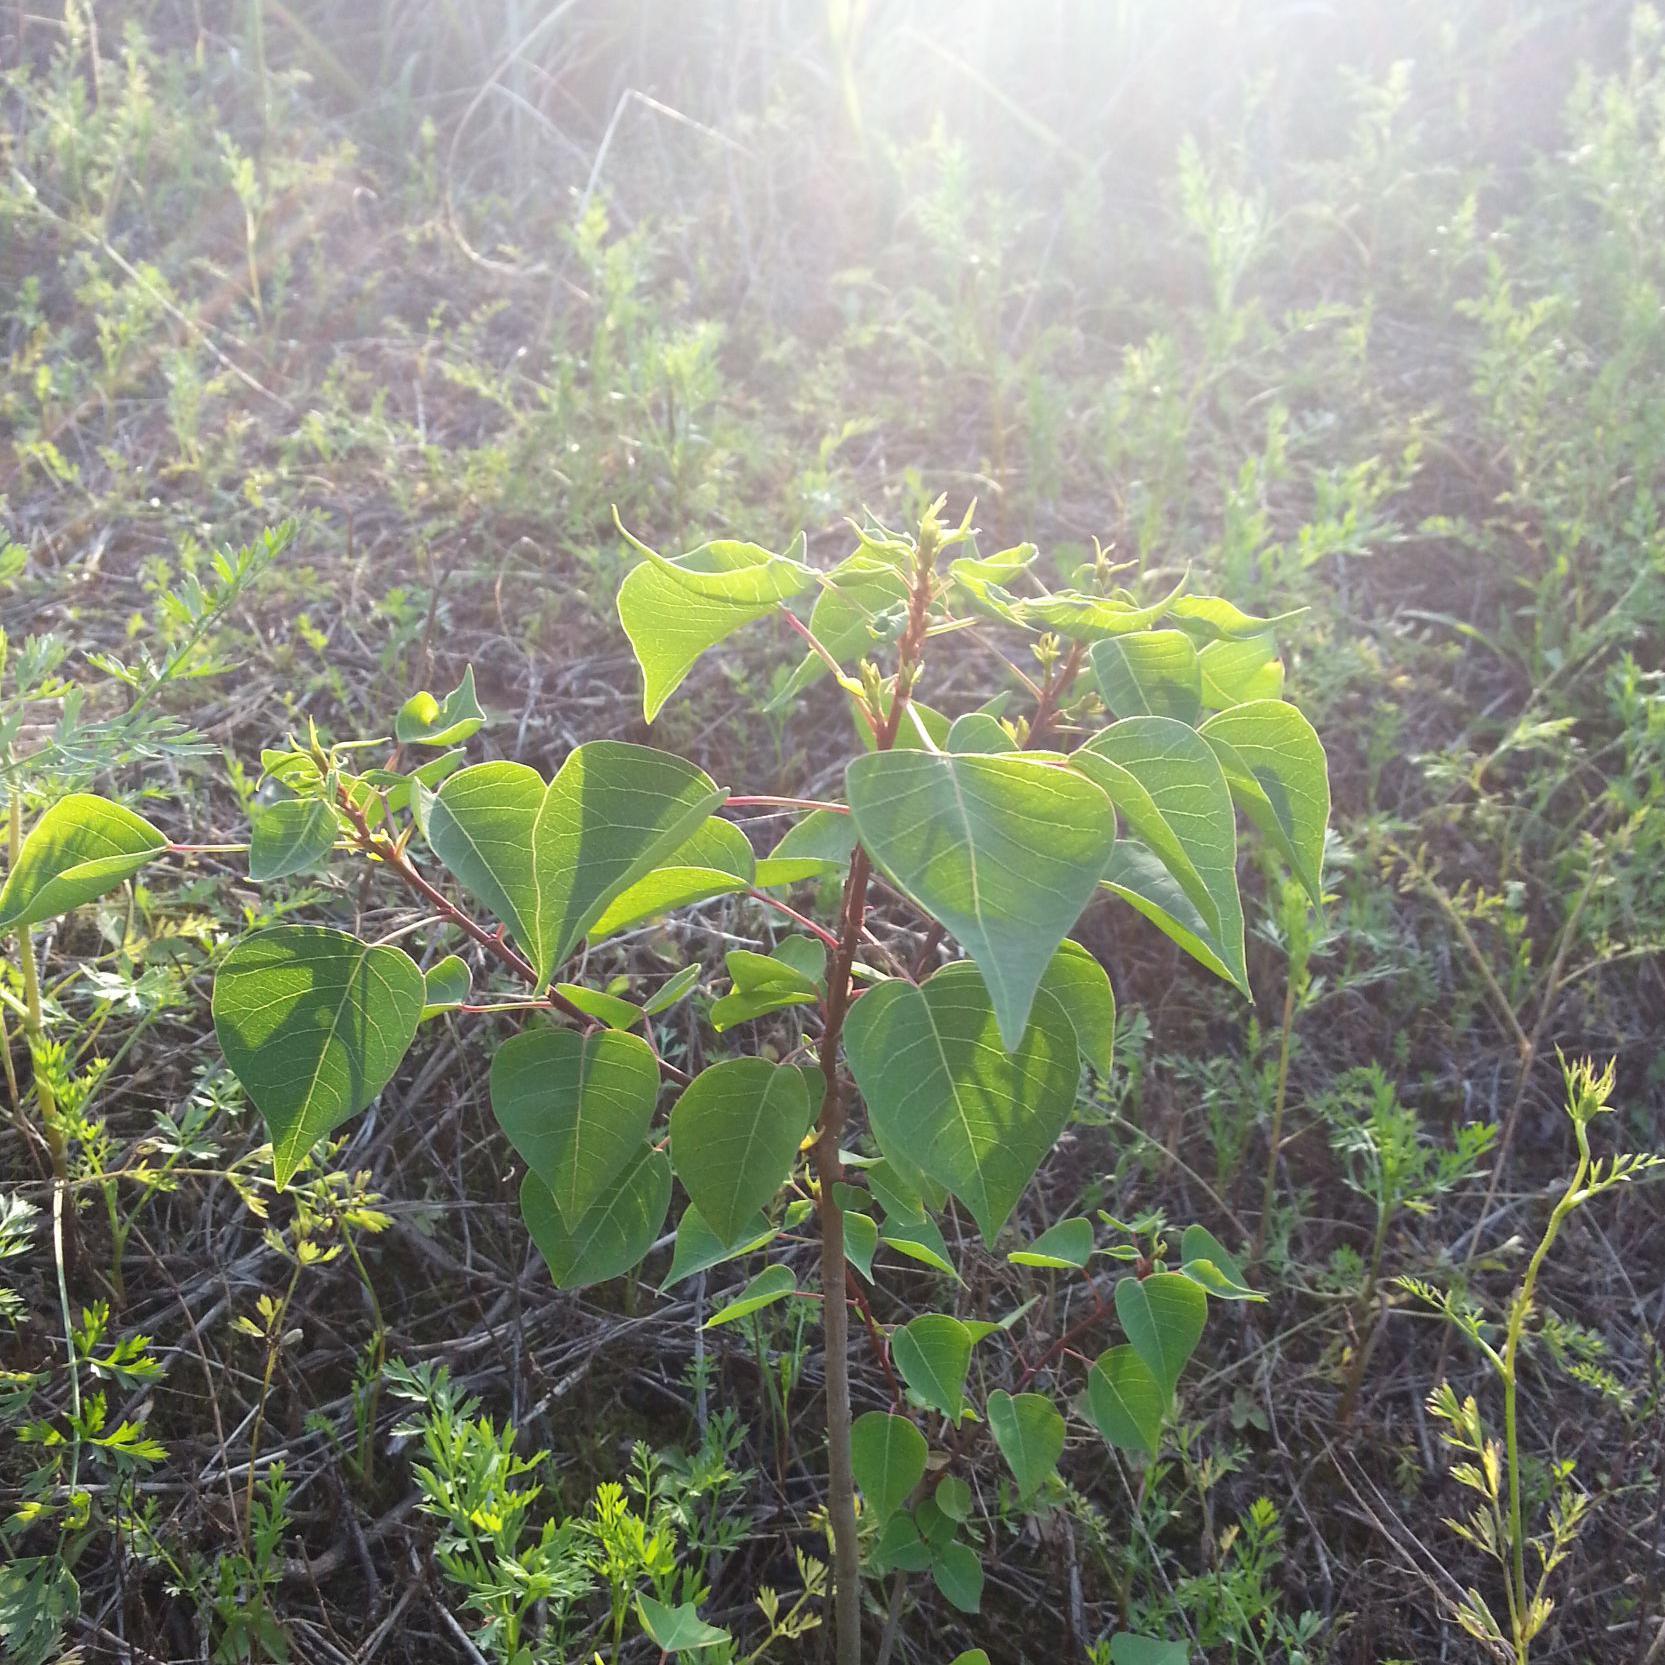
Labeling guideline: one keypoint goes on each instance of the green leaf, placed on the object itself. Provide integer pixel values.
(291, 836)
(861, 1241)
(1233, 672)
(945, 1095)
(762, 983)
(920, 1239)
(576, 1107)
(38, 1598)
(677, 1629)
(1081, 986)
(698, 1248)
(547, 860)
(1153, 673)
(613, 1235)
(445, 985)
(900, 1547)
(773, 1283)
(933, 1353)
(742, 574)
(1129, 1649)
(977, 731)
(1169, 787)
(670, 991)
(1030, 1434)
(1125, 1402)
(972, 1656)
(1275, 766)
(959, 1575)
(1163, 1316)
(822, 835)
(670, 624)
(1209, 618)
(1002, 851)
(735, 1133)
(716, 860)
(1067, 1244)
(1092, 618)
(81, 847)
(983, 578)
(1135, 875)
(313, 1022)
(953, 1496)
(1207, 1261)
(425, 721)
(611, 1009)
(888, 1454)
(847, 619)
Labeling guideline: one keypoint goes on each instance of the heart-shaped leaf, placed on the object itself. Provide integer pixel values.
(547, 860)
(290, 836)
(612, 1235)
(672, 611)
(888, 1454)
(1081, 986)
(1125, 1402)
(958, 1573)
(1030, 1434)
(734, 1134)
(576, 1107)
(677, 1629)
(1234, 672)
(946, 1096)
(81, 847)
(1164, 1316)
(716, 861)
(1004, 852)
(445, 985)
(698, 1248)
(933, 1353)
(1067, 1244)
(313, 1022)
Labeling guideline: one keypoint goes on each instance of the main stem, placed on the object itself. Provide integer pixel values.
(829, 1169)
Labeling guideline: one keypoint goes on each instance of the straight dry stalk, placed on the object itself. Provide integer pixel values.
(33, 1025)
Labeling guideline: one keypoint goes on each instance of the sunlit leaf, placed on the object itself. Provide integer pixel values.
(547, 860)
(80, 848)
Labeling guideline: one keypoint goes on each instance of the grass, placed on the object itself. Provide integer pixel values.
(1352, 309)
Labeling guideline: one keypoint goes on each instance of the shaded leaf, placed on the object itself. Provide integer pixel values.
(944, 1095)
(313, 1022)
(1004, 852)
(291, 836)
(613, 1235)
(576, 1107)
(888, 1454)
(735, 1133)
(1030, 1434)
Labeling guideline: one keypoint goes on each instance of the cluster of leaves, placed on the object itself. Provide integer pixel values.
(999, 830)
